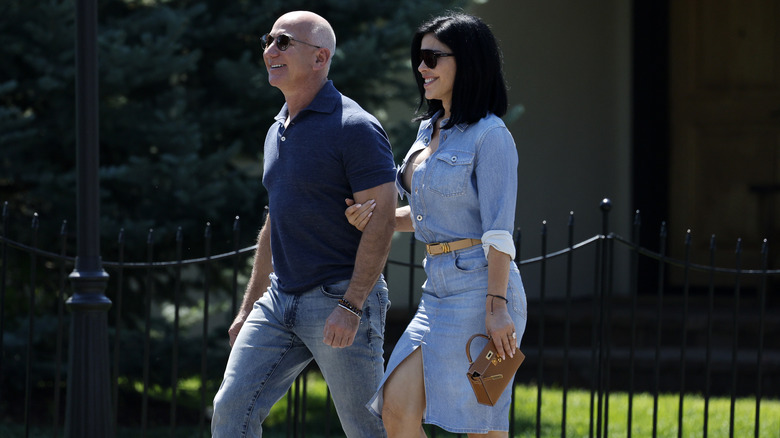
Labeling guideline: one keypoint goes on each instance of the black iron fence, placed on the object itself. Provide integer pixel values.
(647, 323)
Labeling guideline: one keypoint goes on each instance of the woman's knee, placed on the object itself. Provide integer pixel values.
(404, 393)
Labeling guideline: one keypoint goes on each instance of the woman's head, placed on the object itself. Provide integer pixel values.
(478, 87)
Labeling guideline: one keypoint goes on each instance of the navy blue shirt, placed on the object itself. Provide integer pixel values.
(331, 149)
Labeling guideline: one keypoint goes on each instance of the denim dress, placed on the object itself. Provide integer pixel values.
(466, 189)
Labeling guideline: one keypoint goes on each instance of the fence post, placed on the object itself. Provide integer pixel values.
(205, 340)
(3, 274)
(602, 406)
(88, 396)
(30, 331)
(541, 313)
(60, 327)
(634, 290)
(662, 261)
(761, 331)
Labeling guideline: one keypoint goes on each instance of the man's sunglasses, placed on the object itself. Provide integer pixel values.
(282, 42)
(431, 57)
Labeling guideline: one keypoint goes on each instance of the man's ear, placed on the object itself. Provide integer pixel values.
(322, 59)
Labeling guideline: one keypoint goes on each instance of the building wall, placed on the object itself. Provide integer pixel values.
(568, 63)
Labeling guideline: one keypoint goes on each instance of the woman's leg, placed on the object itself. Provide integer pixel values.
(404, 398)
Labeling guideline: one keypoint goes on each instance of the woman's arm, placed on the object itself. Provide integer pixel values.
(498, 322)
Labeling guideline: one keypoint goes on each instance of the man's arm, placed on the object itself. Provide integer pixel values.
(341, 326)
(258, 281)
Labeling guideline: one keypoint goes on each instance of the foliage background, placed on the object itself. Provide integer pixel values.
(184, 107)
(184, 103)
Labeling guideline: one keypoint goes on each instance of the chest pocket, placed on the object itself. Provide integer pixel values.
(451, 172)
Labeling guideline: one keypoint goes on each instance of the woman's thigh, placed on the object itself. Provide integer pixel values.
(404, 390)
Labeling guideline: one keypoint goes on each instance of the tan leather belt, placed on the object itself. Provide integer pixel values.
(444, 248)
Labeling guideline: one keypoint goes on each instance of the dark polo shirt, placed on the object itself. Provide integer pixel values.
(331, 149)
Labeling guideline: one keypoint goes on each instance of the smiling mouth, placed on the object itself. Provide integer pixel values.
(428, 80)
(273, 66)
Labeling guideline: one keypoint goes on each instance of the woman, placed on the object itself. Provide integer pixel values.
(460, 177)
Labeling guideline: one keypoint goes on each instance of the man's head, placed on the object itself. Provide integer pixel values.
(298, 50)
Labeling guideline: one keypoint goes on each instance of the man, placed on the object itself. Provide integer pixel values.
(323, 297)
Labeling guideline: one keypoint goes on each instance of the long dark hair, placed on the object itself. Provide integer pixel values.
(479, 86)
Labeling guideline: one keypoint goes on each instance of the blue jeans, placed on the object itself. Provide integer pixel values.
(281, 335)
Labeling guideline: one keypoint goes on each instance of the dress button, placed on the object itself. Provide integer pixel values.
(419, 217)
(425, 141)
(454, 158)
(283, 139)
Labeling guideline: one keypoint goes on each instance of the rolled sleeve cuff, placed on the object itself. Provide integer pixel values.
(500, 240)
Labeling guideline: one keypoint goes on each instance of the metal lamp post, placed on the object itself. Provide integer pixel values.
(88, 406)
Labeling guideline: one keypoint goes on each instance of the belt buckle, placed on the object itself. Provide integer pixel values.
(438, 248)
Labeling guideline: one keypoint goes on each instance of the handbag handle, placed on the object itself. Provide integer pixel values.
(468, 345)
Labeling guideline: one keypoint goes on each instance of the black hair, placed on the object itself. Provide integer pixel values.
(479, 86)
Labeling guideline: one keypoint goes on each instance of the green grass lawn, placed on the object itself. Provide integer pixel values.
(578, 415)
(577, 418)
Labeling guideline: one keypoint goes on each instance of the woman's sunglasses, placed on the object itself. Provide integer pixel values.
(431, 57)
(282, 42)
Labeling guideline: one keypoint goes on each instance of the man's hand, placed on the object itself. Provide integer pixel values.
(236, 326)
(340, 328)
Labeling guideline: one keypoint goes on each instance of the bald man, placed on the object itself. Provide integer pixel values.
(316, 291)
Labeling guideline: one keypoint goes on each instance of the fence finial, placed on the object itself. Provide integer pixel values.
(606, 206)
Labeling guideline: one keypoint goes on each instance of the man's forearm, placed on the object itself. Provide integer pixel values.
(370, 260)
(261, 269)
(374, 247)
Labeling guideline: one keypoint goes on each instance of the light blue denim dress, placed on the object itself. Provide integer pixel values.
(466, 189)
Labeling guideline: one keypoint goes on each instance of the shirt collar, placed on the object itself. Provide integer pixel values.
(324, 102)
(429, 123)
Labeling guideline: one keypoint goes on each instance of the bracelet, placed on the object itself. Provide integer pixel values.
(492, 297)
(344, 304)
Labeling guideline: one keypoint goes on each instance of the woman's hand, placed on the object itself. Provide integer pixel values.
(359, 214)
(500, 327)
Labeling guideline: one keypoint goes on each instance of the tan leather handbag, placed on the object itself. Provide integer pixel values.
(489, 374)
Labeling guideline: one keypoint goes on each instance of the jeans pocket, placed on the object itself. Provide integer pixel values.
(335, 290)
(471, 260)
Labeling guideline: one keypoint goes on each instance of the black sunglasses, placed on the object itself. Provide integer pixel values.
(431, 57)
(282, 41)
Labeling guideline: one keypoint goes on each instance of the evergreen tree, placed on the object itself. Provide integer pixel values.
(184, 105)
